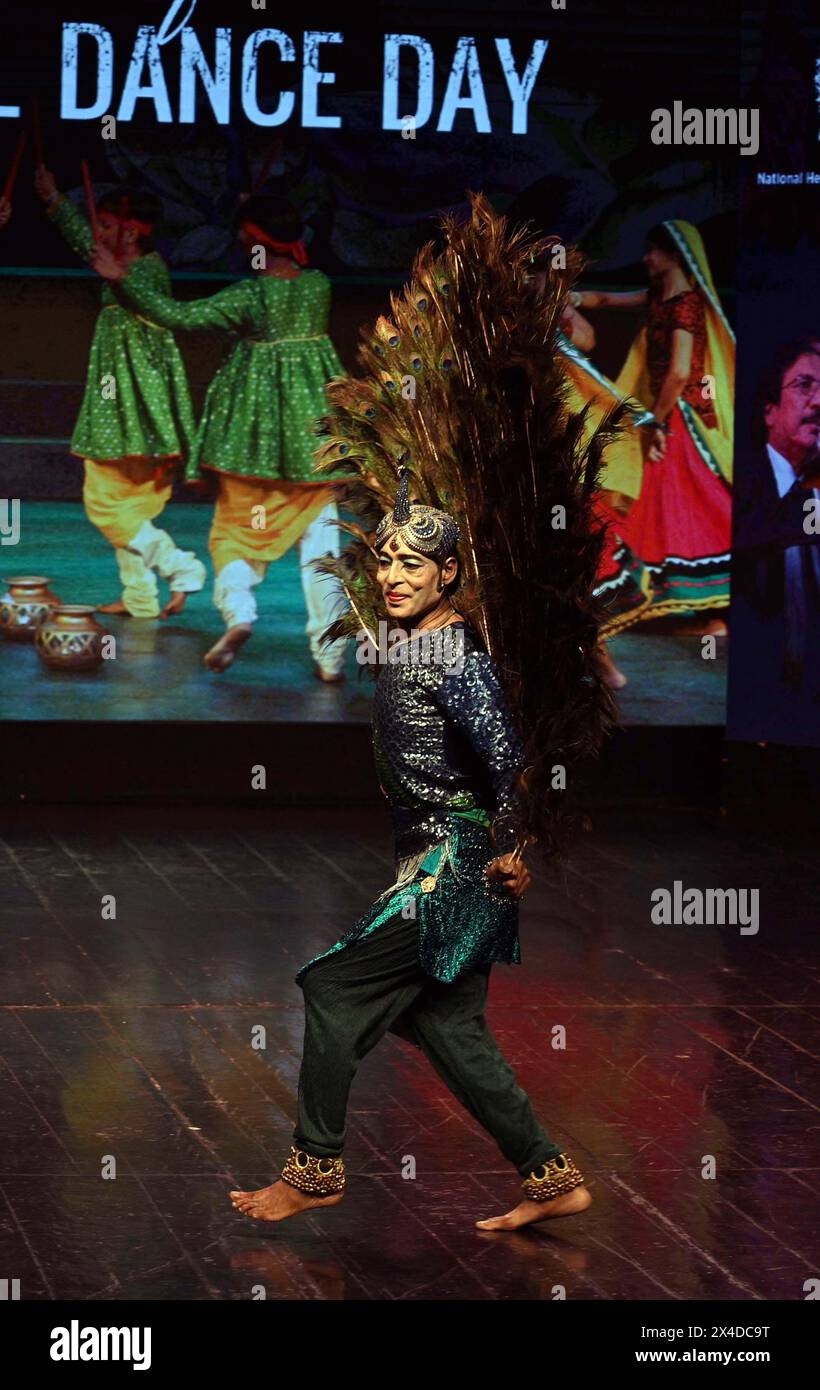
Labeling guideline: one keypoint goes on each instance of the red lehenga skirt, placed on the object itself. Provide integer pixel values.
(679, 530)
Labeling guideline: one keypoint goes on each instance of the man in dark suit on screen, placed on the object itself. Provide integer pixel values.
(776, 564)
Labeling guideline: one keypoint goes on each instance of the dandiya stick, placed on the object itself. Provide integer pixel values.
(15, 165)
(38, 134)
(89, 198)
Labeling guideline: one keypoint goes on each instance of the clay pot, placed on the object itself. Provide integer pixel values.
(24, 606)
(69, 639)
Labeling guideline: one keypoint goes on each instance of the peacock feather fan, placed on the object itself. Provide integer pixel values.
(463, 385)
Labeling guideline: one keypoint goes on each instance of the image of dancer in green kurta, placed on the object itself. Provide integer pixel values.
(257, 432)
(136, 422)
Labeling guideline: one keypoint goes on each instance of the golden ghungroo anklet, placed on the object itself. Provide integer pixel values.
(557, 1175)
(319, 1176)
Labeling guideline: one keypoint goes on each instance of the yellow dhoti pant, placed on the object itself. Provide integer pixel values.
(255, 522)
(257, 519)
(121, 499)
(119, 496)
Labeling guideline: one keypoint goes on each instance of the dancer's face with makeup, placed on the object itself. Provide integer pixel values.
(413, 585)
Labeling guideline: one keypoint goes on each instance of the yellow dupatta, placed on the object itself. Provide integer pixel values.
(719, 360)
(623, 458)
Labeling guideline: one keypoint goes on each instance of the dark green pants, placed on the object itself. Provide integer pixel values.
(376, 985)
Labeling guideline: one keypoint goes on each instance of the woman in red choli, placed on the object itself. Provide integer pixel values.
(681, 366)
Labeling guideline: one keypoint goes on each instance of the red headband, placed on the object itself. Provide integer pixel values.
(123, 216)
(296, 249)
(144, 228)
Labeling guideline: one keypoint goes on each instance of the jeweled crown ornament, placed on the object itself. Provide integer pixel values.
(427, 529)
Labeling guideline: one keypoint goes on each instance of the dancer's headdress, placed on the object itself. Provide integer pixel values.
(427, 529)
(462, 406)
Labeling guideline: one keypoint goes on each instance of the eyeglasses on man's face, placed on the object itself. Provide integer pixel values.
(805, 386)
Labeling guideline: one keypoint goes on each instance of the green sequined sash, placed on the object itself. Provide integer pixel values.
(476, 813)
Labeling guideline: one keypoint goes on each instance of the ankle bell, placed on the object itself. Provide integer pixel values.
(552, 1178)
(319, 1176)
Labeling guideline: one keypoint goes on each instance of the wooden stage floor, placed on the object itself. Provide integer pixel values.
(132, 1038)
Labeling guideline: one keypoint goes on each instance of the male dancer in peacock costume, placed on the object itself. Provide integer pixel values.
(477, 544)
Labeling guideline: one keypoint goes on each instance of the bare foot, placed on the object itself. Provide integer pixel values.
(329, 677)
(613, 676)
(224, 652)
(175, 604)
(527, 1213)
(278, 1202)
(715, 628)
(116, 607)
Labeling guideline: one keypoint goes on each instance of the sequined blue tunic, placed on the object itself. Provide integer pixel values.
(447, 753)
